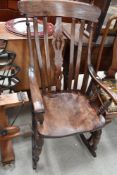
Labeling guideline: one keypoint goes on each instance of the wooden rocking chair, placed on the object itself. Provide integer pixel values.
(58, 112)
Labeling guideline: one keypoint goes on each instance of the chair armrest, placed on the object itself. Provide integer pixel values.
(35, 92)
(106, 88)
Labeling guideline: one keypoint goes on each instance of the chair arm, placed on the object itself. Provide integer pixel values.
(35, 92)
(106, 88)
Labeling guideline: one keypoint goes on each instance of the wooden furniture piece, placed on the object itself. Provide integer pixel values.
(8, 80)
(113, 68)
(8, 10)
(7, 131)
(56, 112)
(110, 74)
(103, 5)
(18, 45)
(104, 37)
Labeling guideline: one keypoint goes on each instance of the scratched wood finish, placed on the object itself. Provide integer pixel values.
(58, 44)
(57, 112)
(22, 54)
(72, 119)
(80, 10)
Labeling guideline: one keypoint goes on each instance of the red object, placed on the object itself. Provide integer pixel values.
(18, 27)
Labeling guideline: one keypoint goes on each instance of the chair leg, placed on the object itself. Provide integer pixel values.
(95, 138)
(92, 142)
(37, 143)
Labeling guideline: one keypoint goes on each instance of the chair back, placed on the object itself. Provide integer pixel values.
(51, 65)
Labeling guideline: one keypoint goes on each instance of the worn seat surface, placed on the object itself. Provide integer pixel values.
(68, 113)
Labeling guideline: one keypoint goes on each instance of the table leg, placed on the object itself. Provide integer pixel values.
(7, 153)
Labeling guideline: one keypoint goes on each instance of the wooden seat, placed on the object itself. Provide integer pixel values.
(59, 111)
(68, 113)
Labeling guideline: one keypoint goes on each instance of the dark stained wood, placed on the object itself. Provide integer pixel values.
(81, 10)
(106, 88)
(37, 99)
(11, 14)
(103, 5)
(12, 4)
(99, 57)
(3, 4)
(37, 142)
(22, 52)
(71, 54)
(88, 61)
(39, 54)
(8, 10)
(58, 44)
(35, 92)
(93, 141)
(73, 119)
(113, 68)
(79, 52)
(87, 145)
(64, 111)
(47, 51)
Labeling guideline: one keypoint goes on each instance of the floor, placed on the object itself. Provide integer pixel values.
(66, 156)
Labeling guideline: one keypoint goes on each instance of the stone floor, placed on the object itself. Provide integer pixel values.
(66, 156)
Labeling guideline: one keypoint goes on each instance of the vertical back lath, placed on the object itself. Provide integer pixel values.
(70, 77)
(79, 52)
(58, 44)
(38, 51)
(88, 61)
(47, 54)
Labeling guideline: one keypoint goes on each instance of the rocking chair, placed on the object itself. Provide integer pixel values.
(58, 112)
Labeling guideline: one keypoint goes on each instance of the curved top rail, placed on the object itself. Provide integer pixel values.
(62, 8)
